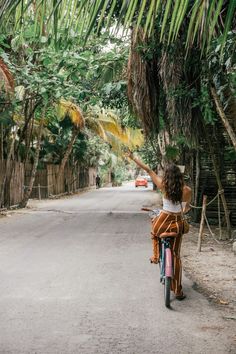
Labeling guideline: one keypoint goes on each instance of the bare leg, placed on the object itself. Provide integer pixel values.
(176, 285)
(155, 249)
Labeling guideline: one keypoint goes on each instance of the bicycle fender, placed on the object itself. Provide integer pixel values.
(168, 263)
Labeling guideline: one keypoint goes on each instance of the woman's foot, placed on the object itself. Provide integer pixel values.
(154, 260)
(180, 297)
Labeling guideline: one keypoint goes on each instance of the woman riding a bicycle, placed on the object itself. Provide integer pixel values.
(176, 200)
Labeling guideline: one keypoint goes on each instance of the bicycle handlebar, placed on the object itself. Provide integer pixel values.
(146, 209)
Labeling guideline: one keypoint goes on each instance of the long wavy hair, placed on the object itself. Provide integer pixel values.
(173, 183)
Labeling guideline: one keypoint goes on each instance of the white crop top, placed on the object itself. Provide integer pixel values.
(168, 205)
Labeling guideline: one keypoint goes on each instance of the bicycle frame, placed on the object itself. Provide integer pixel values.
(166, 260)
(166, 263)
(166, 269)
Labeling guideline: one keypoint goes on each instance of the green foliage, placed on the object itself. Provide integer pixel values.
(88, 151)
(89, 76)
(150, 153)
(230, 154)
(205, 104)
(92, 73)
(172, 152)
(120, 173)
(55, 143)
(46, 51)
(6, 117)
(223, 66)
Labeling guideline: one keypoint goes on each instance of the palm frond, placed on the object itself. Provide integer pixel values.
(96, 127)
(203, 18)
(110, 122)
(106, 124)
(135, 138)
(73, 111)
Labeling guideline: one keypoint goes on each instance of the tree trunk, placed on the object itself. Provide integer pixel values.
(28, 116)
(163, 141)
(68, 151)
(230, 110)
(197, 177)
(1, 142)
(11, 152)
(223, 117)
(34, 169)
(28, 139)
(197, 183)
(222, 195)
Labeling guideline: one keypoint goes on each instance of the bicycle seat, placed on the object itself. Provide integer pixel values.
(168, 234)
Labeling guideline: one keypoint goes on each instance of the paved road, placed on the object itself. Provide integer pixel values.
(75, 278)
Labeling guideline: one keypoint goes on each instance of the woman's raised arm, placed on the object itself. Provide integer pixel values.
(155, 178)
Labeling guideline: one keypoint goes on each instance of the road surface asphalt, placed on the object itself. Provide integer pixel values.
(75, 278)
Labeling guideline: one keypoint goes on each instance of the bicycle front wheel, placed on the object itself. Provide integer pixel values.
(167, 291)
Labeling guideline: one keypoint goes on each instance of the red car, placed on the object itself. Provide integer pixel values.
(141, 181)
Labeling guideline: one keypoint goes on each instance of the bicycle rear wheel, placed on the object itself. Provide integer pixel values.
(167, 291)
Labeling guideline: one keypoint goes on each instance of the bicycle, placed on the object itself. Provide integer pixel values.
(166, 259)
(166, 264)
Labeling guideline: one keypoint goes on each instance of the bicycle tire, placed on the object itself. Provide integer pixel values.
(167, 291)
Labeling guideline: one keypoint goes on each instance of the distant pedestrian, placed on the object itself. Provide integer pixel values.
(98, 181)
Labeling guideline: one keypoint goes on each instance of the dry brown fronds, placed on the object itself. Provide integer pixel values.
(6, 78)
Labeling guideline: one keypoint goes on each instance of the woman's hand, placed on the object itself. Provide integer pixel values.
(129, 154)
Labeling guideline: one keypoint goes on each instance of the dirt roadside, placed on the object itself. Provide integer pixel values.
(213, 270)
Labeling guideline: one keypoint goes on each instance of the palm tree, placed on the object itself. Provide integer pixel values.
(105, 123)
(7, 90)
(100, 122)
(205, 18)
(67, 108)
